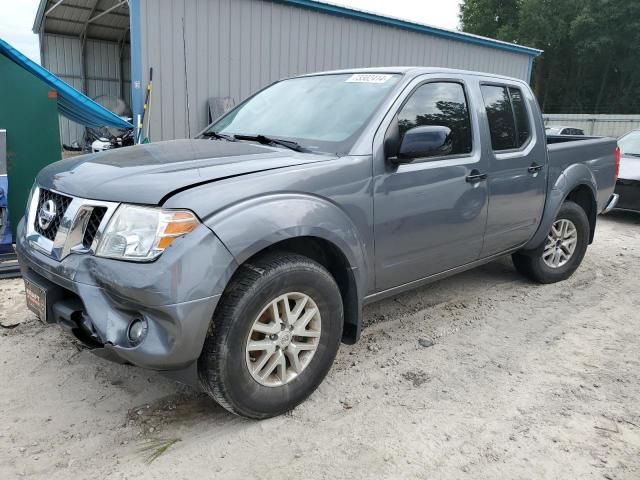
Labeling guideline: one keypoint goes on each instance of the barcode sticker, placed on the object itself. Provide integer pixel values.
(368, 78)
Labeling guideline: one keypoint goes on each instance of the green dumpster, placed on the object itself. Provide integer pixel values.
(29, 114)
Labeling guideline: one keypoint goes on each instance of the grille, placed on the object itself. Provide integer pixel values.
(61, 203)
(92, 226)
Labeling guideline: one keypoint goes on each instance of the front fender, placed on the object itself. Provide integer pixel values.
(568, 180)
(250, 226)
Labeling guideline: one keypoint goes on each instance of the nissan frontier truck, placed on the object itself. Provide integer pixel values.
(237, 262)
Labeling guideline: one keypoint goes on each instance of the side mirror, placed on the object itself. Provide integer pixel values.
(424, 142)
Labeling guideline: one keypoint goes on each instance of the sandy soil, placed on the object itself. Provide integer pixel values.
(522, 381)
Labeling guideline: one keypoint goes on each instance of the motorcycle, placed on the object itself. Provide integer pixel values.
(105, 138)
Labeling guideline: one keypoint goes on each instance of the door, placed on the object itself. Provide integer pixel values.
(430, 214)
(517, 168)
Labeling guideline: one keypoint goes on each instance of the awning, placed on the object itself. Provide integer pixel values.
(71, 103)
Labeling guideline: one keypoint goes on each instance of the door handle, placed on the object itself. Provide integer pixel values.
(476, 177)
(534, 168)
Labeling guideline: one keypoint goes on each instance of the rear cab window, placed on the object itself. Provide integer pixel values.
(507, 116)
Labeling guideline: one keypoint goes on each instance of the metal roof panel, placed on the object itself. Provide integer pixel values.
(70, 16)
(330, 8)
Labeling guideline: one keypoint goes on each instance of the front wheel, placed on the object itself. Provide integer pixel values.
(563, 249)
(274, 336)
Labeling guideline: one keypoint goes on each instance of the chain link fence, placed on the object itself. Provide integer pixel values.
(598, 125)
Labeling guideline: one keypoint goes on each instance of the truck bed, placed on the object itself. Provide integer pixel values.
(593, 152)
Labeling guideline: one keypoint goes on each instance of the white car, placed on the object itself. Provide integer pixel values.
(559, 130)
(628, 184)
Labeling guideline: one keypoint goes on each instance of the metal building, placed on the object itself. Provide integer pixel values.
(86, 43)
(204, 49)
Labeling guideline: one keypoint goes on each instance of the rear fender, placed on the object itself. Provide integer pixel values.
(574, 176)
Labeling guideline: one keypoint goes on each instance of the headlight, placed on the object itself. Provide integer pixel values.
(143, 233)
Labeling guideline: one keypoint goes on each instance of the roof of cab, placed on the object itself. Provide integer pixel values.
(411, 72)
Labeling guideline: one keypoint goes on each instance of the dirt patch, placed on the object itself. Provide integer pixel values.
(483, 375)
(185, 408)
(416, 377)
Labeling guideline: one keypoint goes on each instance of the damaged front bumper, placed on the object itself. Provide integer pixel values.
(97, 299)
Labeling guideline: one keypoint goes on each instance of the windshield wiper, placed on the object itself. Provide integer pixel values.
(631, 154)
(290, 144)
(221, 136)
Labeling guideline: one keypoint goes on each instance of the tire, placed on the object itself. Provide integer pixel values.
(227, 370)
(532, 264)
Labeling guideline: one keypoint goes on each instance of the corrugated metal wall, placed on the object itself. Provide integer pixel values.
(599, 125)
(235, 47)
(61, 56)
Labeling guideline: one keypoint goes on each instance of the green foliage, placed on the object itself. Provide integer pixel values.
(591, 60)
(154, 447)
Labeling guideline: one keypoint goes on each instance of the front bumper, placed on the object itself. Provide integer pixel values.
(97, 298)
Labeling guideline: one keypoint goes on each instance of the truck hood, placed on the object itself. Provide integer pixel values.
(629, 168)
(148, 174)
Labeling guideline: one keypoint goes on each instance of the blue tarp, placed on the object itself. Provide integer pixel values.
(71, 103)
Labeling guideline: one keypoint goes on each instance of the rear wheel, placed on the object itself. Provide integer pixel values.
(563, 249)
(274, 336)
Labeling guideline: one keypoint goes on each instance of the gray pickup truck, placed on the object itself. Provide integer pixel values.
(238, 261)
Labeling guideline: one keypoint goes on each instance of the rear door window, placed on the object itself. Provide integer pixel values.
(507, 116)
(523, 129)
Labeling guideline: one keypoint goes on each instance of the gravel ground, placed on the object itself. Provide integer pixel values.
(483, 375)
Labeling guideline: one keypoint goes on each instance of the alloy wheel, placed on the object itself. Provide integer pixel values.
(561, 243)
(283, 339)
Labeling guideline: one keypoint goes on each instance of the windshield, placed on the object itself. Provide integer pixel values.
(322, 113)
(552, 130)
(630, 143)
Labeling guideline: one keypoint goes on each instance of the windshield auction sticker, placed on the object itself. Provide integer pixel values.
(368, 78)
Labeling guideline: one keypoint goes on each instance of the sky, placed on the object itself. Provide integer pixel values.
(438, 13)
(17, 17)
(15, 26)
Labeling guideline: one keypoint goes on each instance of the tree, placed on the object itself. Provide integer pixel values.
(591, 49)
